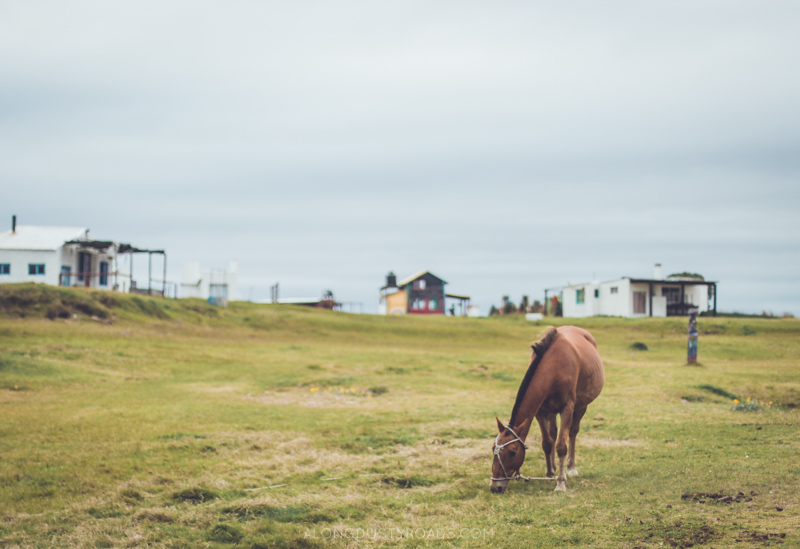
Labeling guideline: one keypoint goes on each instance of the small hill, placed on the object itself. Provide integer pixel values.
(31, 300)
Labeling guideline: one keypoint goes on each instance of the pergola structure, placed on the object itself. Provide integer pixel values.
(128, 249)
(463, 302)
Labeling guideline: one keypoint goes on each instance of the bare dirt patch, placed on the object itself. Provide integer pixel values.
(597, 442)
(718, 497)
(317, 399)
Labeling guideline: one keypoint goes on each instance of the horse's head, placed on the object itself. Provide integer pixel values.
(508, 453)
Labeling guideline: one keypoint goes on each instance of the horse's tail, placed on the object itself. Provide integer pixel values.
(538, 350)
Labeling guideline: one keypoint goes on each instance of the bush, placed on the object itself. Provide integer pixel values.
(637, 346)
(749, 406)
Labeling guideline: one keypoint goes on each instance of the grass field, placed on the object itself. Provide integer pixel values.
(133, 422)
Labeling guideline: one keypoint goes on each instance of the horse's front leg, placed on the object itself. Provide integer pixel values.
(561, 446)
(548, 441)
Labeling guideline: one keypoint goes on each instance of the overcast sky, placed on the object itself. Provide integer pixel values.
(506, 147)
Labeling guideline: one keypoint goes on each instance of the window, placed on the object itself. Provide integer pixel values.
(433, 304)
(66, 279)
(580, 296)
(35, 268)
(5, 268)
(419, 284)
(597, 292)
(418, 304)
(673, 295)
(639, 303)
(614, 290)
(104, 273)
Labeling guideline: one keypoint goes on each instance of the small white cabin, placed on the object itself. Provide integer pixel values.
(639, 297)
(59, 256)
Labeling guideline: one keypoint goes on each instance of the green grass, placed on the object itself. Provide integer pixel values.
(173, 424)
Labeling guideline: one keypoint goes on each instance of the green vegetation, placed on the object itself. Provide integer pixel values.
(131, 421)
(685, 274)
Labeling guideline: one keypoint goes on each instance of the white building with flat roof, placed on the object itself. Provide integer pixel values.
(219, 284)
(636, 297)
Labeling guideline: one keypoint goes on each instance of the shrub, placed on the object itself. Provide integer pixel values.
(637, 346)
(749, 406)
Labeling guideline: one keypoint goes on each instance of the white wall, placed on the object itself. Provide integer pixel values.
(659, 305)
(698, 296)
(20, 259)
(591, 305)
(616, 304)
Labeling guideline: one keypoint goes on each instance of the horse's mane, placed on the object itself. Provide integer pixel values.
(539, 348)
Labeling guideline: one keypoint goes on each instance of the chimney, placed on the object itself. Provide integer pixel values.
(13, 224)
(391, 280)
(658, 275)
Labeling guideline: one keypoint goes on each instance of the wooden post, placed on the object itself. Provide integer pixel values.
(715, 300)
(164, 279)
(691, 356)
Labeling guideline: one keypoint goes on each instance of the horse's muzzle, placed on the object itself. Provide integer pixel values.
(498, 487)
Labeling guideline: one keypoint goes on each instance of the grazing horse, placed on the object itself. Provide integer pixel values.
(564, 376)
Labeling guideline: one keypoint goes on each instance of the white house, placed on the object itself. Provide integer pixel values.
(219, 284)
(637, 297)
(59, 256)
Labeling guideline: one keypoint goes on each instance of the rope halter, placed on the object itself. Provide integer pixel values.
(499, 447)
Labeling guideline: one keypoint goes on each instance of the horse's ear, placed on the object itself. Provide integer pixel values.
(523, 428)
(500, 425)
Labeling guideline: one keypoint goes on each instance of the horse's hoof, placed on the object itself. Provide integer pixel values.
(572, 472)
(561, 487)
(550, 475)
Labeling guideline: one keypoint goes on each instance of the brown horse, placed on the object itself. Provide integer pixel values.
(564, 376)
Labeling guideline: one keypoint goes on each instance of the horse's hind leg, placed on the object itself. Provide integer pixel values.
(548, 440)
(577, 415)
(561, 446)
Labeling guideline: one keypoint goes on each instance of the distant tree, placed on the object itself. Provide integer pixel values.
(686, 275)
(536, 307)
(509, 308)
(493, 311)
(523, 306)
